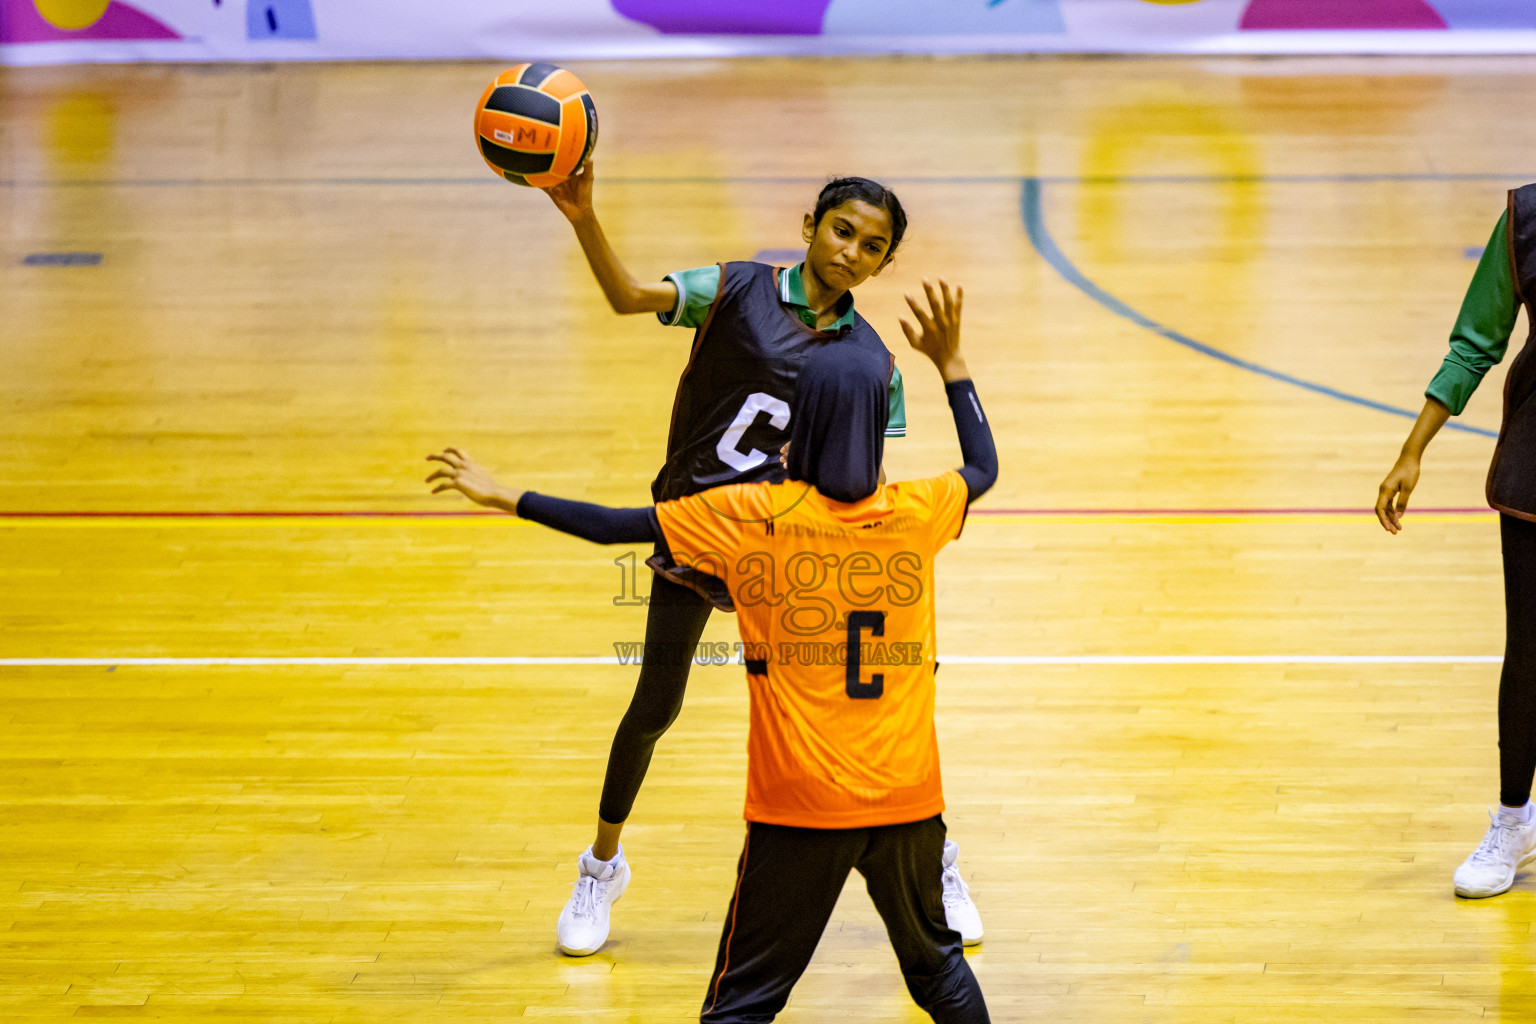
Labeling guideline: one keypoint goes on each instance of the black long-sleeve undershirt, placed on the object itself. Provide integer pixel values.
(597, 523)
(603, 525)
(976, 445)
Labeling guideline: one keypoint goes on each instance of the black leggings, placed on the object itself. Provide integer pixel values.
(674, 622)
(1517, 685)
(788, 881)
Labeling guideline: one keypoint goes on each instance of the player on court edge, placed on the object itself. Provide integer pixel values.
(1504, 280)
(842, 754)
(754, 325)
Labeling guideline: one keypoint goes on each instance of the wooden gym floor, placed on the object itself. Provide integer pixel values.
(308, 280)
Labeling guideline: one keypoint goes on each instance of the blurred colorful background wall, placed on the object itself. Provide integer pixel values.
(64, 31)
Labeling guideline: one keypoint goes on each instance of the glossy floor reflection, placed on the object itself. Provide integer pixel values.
(307, 280)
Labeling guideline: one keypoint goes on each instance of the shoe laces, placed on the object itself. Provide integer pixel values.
(584, 899)
(1498, 843)
(955, 889)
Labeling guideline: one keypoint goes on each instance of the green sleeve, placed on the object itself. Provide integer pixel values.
(1481, 335)
(896, 421)
(696, 291)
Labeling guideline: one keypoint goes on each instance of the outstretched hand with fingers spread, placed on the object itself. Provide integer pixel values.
(461, 473)
(937, 333)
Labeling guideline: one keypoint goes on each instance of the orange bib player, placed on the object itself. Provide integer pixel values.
(831, 576)
(834, 604)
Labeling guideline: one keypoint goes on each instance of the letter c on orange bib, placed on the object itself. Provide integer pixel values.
(536, 124)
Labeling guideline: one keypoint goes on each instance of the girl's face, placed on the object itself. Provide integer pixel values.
(850, 245)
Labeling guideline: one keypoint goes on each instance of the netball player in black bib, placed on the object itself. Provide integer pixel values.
(1505, 280)
(753, 324)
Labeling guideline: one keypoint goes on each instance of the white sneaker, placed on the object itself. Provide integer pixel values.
(1508, 844)
(583, 925)
(960, 913)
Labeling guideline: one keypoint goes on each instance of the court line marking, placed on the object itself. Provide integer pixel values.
(1354, 518)
(614, 661)
(260, 514)
(1033, 208)
(1045, 246)
(983, 517)
(478, 514)
(1033, 220)
(978, 179)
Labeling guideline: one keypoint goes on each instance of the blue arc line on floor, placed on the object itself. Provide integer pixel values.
(1033, 208)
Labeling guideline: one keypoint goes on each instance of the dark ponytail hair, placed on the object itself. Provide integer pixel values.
(843, 190)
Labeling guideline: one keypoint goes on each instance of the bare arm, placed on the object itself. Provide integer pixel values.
(573, 198)
(1392, 495)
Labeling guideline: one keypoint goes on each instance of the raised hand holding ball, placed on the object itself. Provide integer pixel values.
(536, 124)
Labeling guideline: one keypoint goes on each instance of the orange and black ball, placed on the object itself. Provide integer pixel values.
(536, 124)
